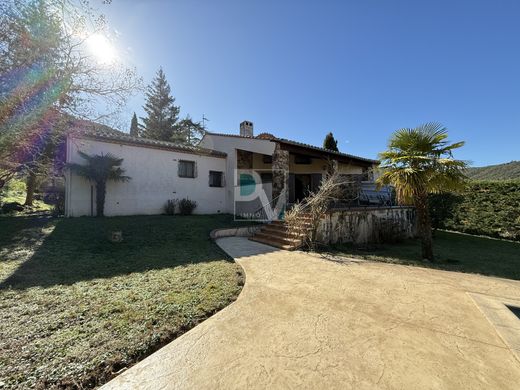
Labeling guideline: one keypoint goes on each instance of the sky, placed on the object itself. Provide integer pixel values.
(358, 68)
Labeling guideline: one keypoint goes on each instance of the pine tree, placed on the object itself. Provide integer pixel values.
(189, 131)
(162, 113)
(330, 143)
(134, 127)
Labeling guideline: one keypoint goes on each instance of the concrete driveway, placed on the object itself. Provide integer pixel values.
(303, 322)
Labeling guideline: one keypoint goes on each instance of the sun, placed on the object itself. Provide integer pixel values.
(101, 48)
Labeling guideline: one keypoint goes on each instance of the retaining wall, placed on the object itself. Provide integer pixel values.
(367, 225)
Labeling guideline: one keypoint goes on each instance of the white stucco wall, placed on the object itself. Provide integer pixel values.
(229, 145)
(154, 174)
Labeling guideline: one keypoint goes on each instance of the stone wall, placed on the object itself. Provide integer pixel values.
(280, 167)
(244, 159)
(367, 225)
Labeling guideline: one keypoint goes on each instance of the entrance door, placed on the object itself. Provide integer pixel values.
(302, 186)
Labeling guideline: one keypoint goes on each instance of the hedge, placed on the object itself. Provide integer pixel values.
(490, 208)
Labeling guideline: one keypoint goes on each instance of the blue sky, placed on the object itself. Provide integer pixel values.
(360, 69)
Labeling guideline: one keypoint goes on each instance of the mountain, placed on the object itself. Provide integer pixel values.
(507, 171)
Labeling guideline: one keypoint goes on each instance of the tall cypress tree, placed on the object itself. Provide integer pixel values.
(330, 143)
(134, 127)
(162, 113)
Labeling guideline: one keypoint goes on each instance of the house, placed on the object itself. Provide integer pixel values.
(209, 173)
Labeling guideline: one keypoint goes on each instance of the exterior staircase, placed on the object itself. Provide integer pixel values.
(276, 234)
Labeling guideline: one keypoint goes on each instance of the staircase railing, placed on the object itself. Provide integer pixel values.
(269, 204)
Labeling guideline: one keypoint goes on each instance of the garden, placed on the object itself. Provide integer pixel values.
(77, 308)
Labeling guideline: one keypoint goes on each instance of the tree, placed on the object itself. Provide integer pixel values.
(162, 113)
(162, 121)
(99, 169)
(330, 143)
(49, 69)
(134, 127)
(188, 131)
(419, 162)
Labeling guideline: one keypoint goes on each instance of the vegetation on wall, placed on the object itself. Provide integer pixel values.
(490, 208)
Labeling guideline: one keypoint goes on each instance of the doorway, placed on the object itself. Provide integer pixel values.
(302, 186)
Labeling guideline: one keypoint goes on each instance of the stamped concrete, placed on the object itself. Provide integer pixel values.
(304, 322)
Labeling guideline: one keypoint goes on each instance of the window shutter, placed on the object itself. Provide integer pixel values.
(195, 169)
(179, 168)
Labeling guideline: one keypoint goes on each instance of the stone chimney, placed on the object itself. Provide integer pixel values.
(246, 129)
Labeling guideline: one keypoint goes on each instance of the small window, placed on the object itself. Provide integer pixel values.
(302, 159)
(267, 159)
(215, 179)
(186, 168)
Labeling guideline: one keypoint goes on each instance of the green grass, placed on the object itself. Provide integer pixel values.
(14, 191)
(76, 307)
(453, 251)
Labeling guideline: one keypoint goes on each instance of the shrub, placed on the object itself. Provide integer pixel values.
(58, 208)
(169, 207)
(186, 206)
(490, 208)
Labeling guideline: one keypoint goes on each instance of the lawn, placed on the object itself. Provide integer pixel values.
(453, 251)
(76, 308)
(14, 191)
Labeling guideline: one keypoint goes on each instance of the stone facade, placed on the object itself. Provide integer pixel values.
(244, 159)
(280, 167)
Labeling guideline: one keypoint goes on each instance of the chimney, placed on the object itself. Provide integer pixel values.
(246, 129)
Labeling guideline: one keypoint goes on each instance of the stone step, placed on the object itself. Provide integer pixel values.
(286, 247)
(283, 223)
(282, 229)
(281, 239)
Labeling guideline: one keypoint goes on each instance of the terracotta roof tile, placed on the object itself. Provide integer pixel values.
(102, 132)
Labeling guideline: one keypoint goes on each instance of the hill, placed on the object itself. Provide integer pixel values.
(507, 171)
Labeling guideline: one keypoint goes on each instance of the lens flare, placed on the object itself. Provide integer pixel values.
(101, 48)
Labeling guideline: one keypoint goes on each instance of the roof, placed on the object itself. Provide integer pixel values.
(333, 152)
(299, 144)
(97, 131)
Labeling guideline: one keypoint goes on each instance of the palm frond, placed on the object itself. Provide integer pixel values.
(419, 161)
(100, 168)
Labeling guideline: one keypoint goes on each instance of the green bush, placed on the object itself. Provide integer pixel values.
(490, 208)
(58, 204)
(169, 207)
(186, 206)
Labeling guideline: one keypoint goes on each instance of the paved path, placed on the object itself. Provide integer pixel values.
(303, 322)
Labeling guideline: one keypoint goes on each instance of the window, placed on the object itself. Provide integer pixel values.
(215, 179)
(186, 168)
(302, 159)
(267, 177)
(267, 159)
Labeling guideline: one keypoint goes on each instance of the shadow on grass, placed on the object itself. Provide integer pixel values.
(79, 249)
(20, 232)
(453, 252)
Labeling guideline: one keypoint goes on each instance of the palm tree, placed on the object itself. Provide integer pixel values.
(99, 169)
(419, 162)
